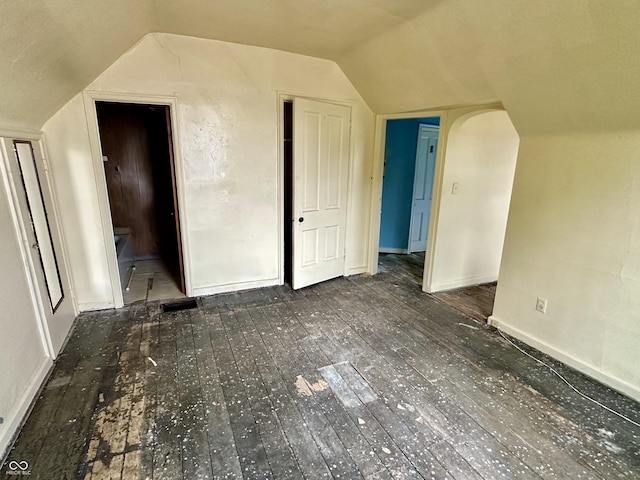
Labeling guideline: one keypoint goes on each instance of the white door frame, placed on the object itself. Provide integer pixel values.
(90, 98)
(31, 271)
(431, 128)
(376, 189)
(283, 96)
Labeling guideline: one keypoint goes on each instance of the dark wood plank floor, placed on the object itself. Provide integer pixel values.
(363, 377)
(475, 301)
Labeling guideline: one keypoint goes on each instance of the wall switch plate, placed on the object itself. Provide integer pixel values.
(454, 188)
(541, 305)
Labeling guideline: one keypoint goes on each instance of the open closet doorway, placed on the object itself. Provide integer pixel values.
(409, 166)
(287, 149)
(137, 154)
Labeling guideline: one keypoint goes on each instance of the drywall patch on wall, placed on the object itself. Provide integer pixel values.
(397, 185)
(227, 127)
(478, 175)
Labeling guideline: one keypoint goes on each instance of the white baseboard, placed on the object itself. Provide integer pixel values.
(464, 282)
(356, 270)
(234, 287)
(392, 250)
(610, 381)
(14, 421)
(92, 306)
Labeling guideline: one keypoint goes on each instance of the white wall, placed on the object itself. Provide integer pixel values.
(22, 354)
(73, 175)
(480, 156)
(228, 134)
(573, 237)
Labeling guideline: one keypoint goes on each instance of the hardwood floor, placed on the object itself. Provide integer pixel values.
(475, 301)
(361, 377)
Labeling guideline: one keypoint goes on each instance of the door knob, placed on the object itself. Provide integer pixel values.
(301, 219)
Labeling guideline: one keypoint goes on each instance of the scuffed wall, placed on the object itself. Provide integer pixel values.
(227, 126)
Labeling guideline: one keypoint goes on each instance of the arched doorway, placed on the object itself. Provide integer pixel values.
(477, 179)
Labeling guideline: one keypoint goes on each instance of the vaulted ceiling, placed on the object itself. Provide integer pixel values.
(570, 65)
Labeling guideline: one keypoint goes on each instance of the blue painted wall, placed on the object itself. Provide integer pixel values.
(397, 186)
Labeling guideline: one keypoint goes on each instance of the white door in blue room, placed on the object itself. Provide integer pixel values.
(321, 147)
(422, 187)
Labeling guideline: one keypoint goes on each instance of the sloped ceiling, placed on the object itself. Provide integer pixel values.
(556, 65)
(51, 49)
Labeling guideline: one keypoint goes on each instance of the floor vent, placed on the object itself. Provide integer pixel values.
(181, 305)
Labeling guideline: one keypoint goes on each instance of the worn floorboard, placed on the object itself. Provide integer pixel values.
(360, 377)
(475, 301)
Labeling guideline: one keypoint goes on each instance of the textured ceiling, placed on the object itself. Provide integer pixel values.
(570, 65)
(52, 49)
(319, 28)
(555, 65)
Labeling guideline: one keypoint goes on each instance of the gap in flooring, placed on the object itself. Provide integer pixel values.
(151, 282)
(359, 377)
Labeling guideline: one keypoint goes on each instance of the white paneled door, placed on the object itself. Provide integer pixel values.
(320, 170)
(423, 187)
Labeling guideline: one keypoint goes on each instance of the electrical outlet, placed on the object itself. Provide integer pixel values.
(541, 305)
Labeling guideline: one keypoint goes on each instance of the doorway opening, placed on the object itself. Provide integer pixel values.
(477, 180)
(137, 154)
(287, 150)
(407, 185)
(471, 193)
